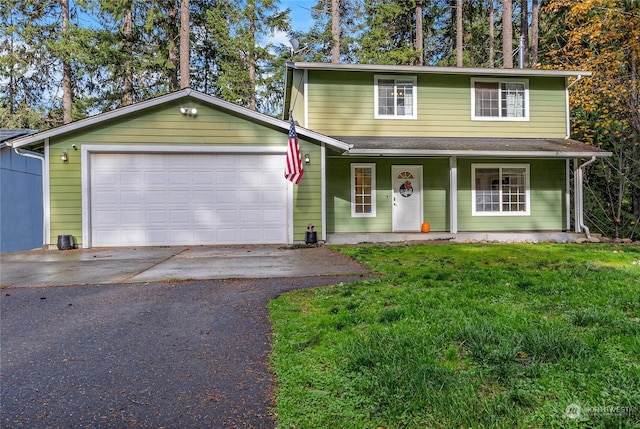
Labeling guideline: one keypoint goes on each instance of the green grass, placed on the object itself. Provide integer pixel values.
(465, 336)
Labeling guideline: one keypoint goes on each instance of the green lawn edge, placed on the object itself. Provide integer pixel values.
(465, 336)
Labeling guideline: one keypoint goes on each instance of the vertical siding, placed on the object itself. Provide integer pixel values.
(435, 194)
(342, 104)
(548, 210)
(21, 202)
(165, 125)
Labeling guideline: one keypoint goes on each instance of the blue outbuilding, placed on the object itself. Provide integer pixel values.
(21, 201)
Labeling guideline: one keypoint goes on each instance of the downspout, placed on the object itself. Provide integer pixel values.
(579, 180)
(567, 105)
(40, 158)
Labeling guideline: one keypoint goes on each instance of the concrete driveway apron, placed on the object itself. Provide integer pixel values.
(150, 264)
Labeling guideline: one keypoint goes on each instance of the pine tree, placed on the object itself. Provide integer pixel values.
(603, 36)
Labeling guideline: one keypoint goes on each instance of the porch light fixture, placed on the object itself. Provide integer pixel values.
(307, 158)
(64, 157)
(189, 111)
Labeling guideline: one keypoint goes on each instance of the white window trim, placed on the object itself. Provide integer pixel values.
(525, 118)
(373, 189)
(414, 81)
(526, 212)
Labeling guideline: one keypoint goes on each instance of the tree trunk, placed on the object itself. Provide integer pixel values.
(67, 98)
(173, 48)
(253, 102)
(507, 34)
(335, 31)
(535, 17)
(492, 46)
(127, 29)
(634, 109)
(459, 33)
(419, 33)
(184, 44)
(524, 30)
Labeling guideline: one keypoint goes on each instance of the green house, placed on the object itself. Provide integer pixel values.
(465, 150)
(385, 149)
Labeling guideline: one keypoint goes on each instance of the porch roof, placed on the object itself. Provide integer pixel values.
(470, 147)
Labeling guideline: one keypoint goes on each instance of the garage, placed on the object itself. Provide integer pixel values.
(177, 198)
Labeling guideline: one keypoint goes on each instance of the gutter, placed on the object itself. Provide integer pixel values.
(579, 204)
(41, 158)
(471, 153)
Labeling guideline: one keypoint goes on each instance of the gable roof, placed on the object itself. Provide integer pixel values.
(9, 134)
(470, 146)
(184, 93)
(383, 68)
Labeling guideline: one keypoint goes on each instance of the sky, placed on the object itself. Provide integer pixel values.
(300, 13)
(300, 18)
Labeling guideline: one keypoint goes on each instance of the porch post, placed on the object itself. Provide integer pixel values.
(577, 195)
(567, 194)
(323, 180)
(453, 195)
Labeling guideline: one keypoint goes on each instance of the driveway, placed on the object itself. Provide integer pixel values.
(153, 264)
(138, 353)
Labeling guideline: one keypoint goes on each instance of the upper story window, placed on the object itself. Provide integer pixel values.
(395, 97)
(500, 99)
(500, 189)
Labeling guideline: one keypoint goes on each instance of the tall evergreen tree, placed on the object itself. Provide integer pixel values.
(604, 37)
(45, 67)
(388, 34)
(507, 34)
(239, 31)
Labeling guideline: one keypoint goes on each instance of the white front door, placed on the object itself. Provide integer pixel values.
(407, 197)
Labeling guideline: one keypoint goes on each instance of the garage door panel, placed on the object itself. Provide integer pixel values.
(226, 178)
(226, 197)
(271, 197)
(205, 178)
(251, 216)
(179, 197)
(155, 197)
(203, 197)
(155, 217)
(131, 217)
(108, 218)
(250, 197)
(179, 177)
(170, 199)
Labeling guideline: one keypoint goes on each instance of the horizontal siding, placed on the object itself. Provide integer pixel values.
(342, 103)
(435, 191)
(307, 196)
(548, 209)
(297, 96)
(165, 125)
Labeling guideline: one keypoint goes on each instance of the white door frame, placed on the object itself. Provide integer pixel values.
(418, 171)
(87, 150)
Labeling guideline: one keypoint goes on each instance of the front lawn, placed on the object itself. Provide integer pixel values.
(465, 336)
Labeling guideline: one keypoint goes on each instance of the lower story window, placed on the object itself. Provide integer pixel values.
(363, 188)
(500, 189)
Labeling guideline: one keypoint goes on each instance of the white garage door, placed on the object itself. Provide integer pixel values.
(176, 199)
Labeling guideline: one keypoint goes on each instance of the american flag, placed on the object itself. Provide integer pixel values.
(293, 170)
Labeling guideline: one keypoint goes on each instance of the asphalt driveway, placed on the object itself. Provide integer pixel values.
(145, 354)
